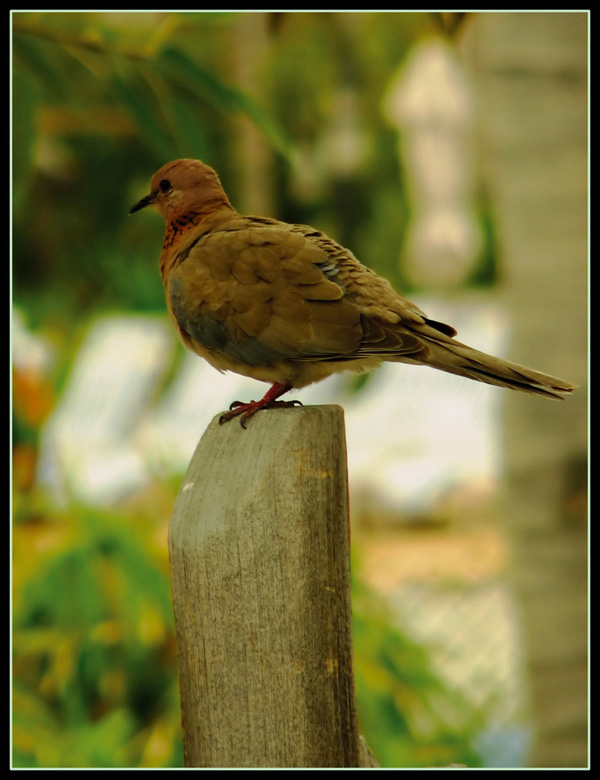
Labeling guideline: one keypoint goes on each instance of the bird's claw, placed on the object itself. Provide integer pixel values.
(247, 410)
(235, 404)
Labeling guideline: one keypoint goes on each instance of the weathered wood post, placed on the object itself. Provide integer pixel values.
(259, 548)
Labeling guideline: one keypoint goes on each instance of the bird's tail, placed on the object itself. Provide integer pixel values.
(457, 358)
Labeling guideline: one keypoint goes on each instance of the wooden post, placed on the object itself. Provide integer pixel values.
(259, 547)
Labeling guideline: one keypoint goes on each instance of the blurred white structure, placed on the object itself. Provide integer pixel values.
(29, 352)
(430, 103)
(89, 450)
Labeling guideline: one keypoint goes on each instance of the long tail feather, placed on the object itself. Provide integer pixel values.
(457, 358)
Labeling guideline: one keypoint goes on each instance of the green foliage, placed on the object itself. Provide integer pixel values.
(94, 654)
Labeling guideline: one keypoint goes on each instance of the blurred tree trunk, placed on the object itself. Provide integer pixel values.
(253, 161)
(532, 73)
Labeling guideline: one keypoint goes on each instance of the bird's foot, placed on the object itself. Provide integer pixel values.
(247, 410)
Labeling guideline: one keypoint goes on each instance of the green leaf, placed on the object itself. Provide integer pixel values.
(133, 93)
(187, 130)
(223, 96)
(32, 55)
(24, 104)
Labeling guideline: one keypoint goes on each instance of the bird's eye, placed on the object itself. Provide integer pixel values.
(165, 185)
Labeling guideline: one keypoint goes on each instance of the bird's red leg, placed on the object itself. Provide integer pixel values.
(268, 401)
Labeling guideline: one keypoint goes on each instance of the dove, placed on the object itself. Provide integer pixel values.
(285, 304)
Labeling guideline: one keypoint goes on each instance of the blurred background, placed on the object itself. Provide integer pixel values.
(449, 152)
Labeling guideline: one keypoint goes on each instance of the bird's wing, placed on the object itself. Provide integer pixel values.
(391, 323)
(387, 316)
(260, 291)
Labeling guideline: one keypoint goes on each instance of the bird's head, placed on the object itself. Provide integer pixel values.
(183, 186)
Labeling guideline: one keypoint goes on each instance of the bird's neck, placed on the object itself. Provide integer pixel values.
(193, 223)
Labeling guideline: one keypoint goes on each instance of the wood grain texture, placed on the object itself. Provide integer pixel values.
(259, 547)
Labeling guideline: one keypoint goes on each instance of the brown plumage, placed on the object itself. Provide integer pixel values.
(285, 304)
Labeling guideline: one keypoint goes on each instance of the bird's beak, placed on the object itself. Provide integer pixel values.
(141, 204)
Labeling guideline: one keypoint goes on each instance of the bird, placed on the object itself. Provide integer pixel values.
(285, 304)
